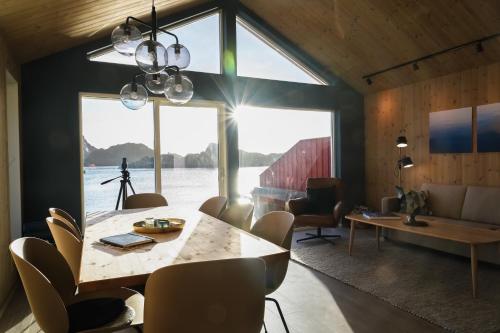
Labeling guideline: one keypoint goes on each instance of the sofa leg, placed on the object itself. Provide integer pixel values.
(318, 235)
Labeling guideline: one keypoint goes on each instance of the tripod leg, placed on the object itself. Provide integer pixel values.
(130, 184)
(119, 195)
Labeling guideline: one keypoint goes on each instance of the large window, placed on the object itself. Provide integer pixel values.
(189, 154)
(110, 132)
(200, 36)
(279, 150)
(188, 148)
(257, 57)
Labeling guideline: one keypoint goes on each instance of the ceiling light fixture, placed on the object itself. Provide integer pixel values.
(415, 66)
(479, 47)
(369, 81)
(155, 61)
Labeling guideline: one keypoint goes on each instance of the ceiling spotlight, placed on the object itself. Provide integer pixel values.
(415, 66)
(479, 47)
(369, 81)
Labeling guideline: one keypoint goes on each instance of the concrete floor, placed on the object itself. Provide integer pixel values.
(311, 301)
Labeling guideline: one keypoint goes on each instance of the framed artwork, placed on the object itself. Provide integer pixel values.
(488, 128)
(450, 131)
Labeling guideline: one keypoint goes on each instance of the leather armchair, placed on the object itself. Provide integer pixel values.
(304, 217)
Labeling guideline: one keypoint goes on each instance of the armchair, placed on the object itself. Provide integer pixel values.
(305, 216)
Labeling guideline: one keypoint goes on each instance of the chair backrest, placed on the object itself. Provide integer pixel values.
(223, 296)
(65, 217)
(238, 215)
(68, 245)
(145, 200)
(33, 258)
(328, 182)
(276, 227)
(213, 206)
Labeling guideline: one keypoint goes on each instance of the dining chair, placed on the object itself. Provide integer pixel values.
(238, 215)
(50, 289)
(67, 244)
(65, 217)
(223, 296)
(277, 228)
(145, 200)
(213, 206)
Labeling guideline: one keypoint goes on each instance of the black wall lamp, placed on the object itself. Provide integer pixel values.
(404, 161)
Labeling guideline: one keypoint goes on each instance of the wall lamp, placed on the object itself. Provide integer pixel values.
(404, 162)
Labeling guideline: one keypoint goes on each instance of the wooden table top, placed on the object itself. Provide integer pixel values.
(203, 238)
(437, 229)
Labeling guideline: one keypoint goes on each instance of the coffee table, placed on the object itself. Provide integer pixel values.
(459, 233)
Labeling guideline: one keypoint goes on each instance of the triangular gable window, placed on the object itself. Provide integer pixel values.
(259, 58)
(201, 37)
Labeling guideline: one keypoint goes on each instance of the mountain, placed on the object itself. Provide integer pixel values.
(113, 155)
(141, 156)
(87, 148)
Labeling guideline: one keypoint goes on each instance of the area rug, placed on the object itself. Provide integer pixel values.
(432, 285)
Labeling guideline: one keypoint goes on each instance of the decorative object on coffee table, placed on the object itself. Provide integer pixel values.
(403, 161)
(411, 221)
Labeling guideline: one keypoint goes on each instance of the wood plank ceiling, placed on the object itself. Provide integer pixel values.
(35, 28)
(349, 37)
(356, 37)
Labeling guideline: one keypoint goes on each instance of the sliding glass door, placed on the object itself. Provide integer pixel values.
(189, 154)
(279, 150)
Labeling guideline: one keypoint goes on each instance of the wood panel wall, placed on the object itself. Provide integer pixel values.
(407, 109)
(7, 271)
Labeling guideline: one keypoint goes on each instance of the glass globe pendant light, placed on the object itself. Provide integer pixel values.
(151, 57)
(178, 89)
(156, 82)
(178, 55)
(133, 95)
(126, 38)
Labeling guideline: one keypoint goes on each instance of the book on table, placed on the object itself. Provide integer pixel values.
(127, 240)
(380, 216)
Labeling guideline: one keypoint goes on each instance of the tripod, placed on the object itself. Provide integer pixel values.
(124, 181)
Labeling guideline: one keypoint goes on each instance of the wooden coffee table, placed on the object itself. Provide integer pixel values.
(437, 229)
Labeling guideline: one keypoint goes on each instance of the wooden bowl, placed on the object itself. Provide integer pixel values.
(173, 224)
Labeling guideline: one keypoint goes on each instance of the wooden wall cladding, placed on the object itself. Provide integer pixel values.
(407, 108)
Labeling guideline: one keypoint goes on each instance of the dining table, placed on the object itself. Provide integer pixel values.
(203, 238)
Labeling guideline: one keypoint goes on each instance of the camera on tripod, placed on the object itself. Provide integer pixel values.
(124, 181)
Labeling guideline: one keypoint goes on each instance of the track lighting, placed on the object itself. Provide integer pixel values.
(415, 66)
(369, 81)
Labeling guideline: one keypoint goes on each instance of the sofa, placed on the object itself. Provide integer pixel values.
(475, 206)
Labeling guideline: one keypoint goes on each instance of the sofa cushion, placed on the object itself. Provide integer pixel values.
(445, 200)
(314, 221)
(482, 204)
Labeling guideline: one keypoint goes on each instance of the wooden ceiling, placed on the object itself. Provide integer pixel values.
(352, 38)
(35, 28)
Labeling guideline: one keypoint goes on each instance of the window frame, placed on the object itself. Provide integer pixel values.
(157, 103)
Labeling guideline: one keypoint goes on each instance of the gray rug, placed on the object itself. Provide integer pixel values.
(428, 284)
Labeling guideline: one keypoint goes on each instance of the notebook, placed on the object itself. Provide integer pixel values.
(127, 240)
(380, 216)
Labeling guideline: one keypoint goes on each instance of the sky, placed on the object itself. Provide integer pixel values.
(189, 130)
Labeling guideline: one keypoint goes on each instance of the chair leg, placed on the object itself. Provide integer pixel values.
(318, 235)
(275, 301)
(265, 328)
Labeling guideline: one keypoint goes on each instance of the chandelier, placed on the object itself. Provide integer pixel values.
(160, 66)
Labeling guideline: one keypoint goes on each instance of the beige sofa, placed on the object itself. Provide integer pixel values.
(475, 206)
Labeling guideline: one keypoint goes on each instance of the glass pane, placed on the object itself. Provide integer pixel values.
(201, 37)
(110, 132)
(256, 58)
(189, 148)
(279, 150)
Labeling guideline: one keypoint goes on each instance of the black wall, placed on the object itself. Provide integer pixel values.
(51, 126)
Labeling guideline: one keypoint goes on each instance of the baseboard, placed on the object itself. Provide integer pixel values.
(9, 298)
